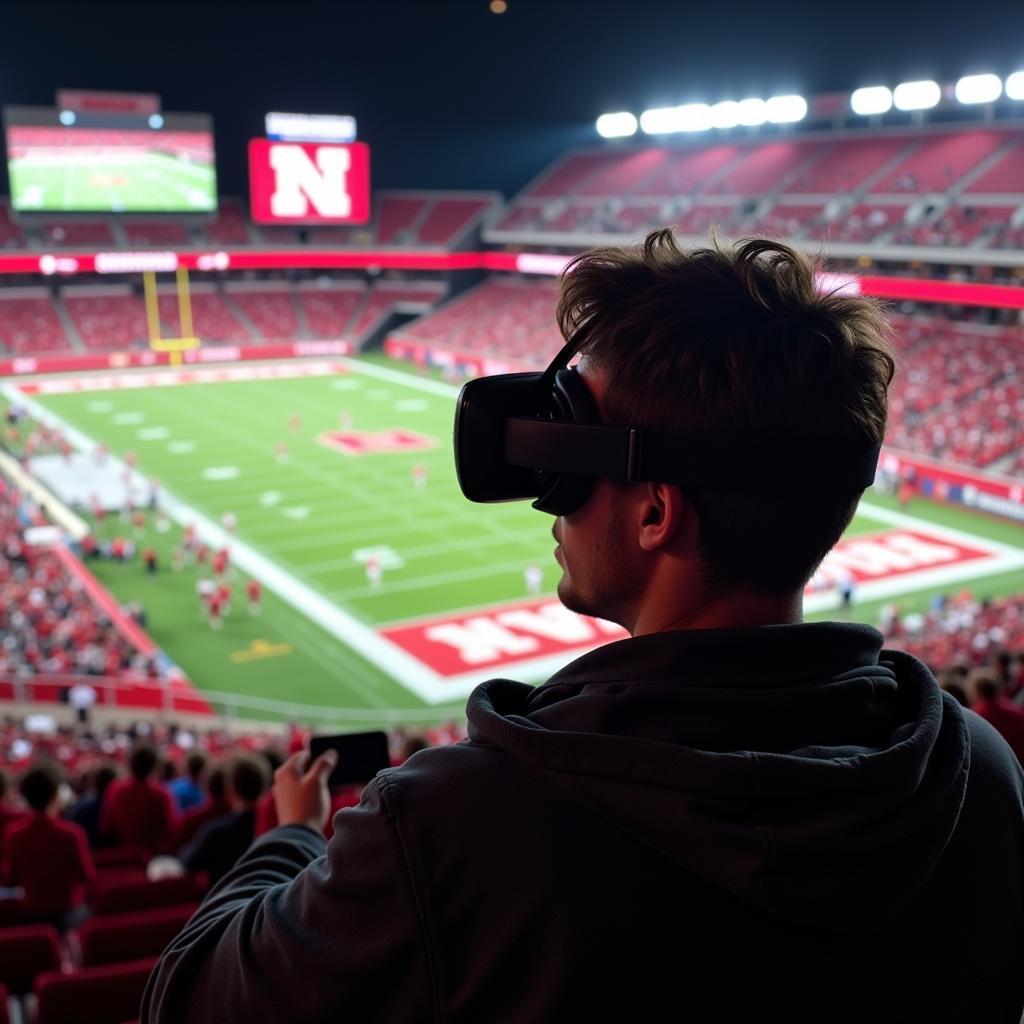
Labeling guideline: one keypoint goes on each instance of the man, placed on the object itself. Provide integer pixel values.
(729, 816)
(221, 842)
(137, 811)
(47, 857)
(187, 790)
(214, 806)
(989, 701)
(86, 811)
(8, 813)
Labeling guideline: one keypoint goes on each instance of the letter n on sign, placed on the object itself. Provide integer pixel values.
(309, 183)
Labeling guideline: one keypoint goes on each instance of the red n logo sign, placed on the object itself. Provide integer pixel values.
(309, 183)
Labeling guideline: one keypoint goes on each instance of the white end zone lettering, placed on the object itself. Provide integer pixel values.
(536, 636)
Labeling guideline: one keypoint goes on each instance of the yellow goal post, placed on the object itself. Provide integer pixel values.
(158, 343)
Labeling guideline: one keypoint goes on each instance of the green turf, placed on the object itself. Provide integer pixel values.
(157, 182)
(312, 513)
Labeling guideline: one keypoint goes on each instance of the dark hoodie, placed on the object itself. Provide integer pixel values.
(776, 823)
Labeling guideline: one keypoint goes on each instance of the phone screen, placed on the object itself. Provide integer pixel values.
(360, 755)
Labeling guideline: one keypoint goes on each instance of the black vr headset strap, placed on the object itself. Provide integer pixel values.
(727, 463)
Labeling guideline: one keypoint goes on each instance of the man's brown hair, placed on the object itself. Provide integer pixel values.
(736, 340)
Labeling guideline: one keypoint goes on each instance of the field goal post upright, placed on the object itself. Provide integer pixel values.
(188, 339)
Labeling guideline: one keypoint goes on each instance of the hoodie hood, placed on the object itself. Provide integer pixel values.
(800, 767)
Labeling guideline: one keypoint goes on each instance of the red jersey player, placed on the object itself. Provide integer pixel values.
(254, 592)
(215, 608)
(281, 451)
(220, 562)
(295, 422)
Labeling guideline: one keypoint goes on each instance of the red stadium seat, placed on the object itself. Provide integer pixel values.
(25, 952)
(120, 897)
(114, 938)
(10, 913)
(100, 995)
(119, 856)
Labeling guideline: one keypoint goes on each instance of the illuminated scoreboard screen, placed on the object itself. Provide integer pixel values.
(58, 162)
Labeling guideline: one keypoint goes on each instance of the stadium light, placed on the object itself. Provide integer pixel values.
(752, 112)
(660, 120)
(725, 114)
(873, 99)
(156, 121)
(67, 118)
(916, 95)
(786, 109)
(978, 89)
(690, 117)
(694, 117)
(1015, 86)
(616, 126)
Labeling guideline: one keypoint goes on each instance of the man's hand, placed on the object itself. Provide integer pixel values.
(300, 790)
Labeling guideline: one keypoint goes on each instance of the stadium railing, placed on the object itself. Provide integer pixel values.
(122, 695)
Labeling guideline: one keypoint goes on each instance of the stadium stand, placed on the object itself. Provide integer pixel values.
(958, 397)
(79, 233)
(504, 317)
(165, 232)
(268, 307)
(25, 952)
(29, 322)
(387, 297)
(329, 306)
(212, 318)
(112, 993)
(106, 316)
(49, 622)
(841, 188)
(448, 220)
(960, 630)
(229, 226)
(428, 219)
(116, 938)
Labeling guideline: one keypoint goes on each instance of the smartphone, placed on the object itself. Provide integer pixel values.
(360, 755)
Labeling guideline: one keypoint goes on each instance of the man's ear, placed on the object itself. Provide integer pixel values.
(666, 515)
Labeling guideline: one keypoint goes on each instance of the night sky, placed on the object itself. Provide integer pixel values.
(450, 95)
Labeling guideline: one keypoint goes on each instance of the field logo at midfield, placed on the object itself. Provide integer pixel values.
(533, 634)
(369, 442)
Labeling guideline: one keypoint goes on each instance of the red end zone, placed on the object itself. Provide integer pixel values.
(532, 630)
(451, 645)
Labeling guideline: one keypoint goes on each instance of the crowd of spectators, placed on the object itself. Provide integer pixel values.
(199, 798)
(48, 621)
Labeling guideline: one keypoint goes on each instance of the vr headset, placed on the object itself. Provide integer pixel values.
(521, 436)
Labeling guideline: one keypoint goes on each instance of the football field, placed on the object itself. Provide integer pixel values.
(333, 468)
(143, 181)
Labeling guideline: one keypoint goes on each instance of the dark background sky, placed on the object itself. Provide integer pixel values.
(450, 95)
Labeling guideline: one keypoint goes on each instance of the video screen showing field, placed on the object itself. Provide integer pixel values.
(57, 169)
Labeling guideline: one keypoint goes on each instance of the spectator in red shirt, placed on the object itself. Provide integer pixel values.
(215, 806)
(137, 811)
(1002, 714)
(8, 812)
(48, 857)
